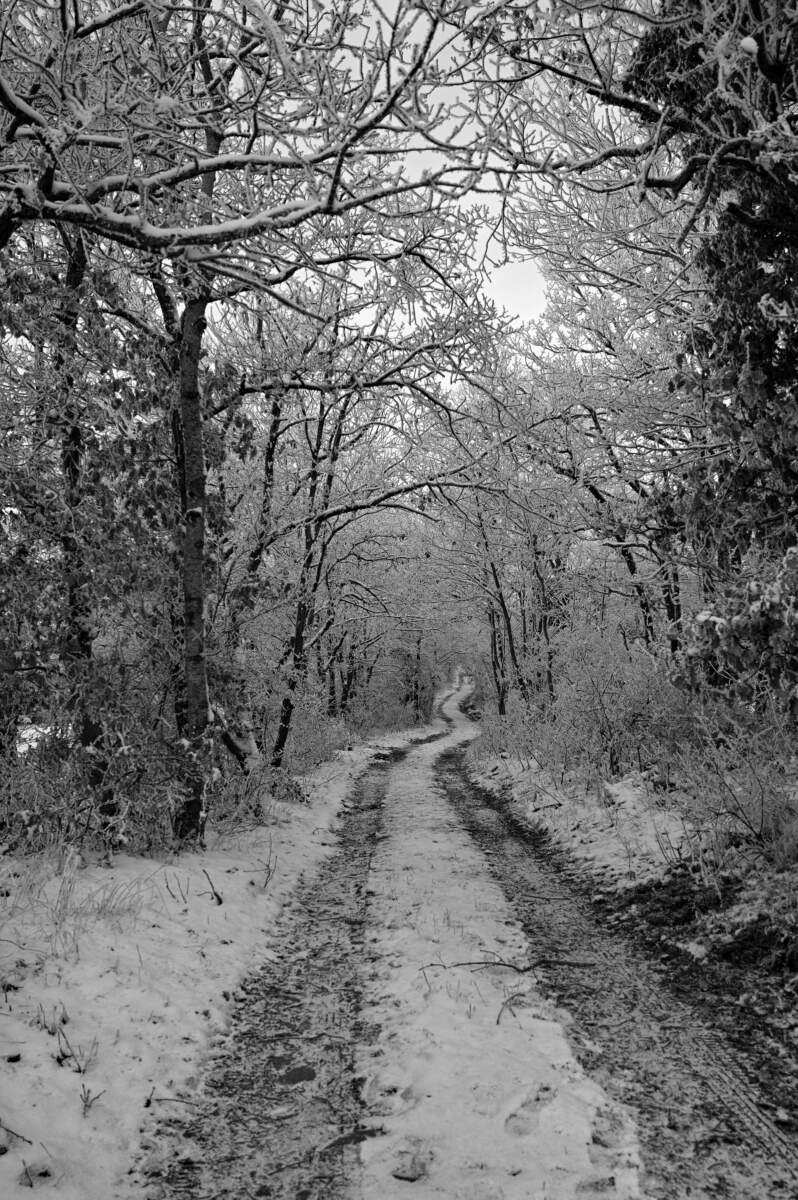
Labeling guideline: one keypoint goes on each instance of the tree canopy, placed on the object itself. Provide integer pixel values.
(268, 449)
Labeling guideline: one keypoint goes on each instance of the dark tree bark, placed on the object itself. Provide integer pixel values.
(349, 676)
(543, 621)
(417, 680)
(190, 819)
(298, 667)
(263, 538)
(79, 608)
(497, 661)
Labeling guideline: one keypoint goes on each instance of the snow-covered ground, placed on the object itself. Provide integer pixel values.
(471, 1077)
(116, 979)
(113, 979)
(623, 834)
(617, 831)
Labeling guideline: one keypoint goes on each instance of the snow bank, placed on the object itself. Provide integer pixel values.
(616, 830)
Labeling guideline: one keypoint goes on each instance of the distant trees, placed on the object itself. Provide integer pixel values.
(244, 352)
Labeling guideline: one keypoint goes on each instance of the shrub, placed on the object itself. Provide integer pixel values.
(729, 764)
(746, 645)
(737, 777)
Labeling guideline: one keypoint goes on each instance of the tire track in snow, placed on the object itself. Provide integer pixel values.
(279, 1113)
(704, 1129)
(470, 1083)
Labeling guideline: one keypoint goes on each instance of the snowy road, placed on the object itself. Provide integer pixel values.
(705, 1125)
(402, 1039)
(470, 1075)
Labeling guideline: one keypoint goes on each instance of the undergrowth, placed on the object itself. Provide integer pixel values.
(48, 893)
(730, 769)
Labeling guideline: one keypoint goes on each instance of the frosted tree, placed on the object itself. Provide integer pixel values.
(216, 146)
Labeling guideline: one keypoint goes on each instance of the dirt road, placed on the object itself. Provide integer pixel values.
(439, 1013)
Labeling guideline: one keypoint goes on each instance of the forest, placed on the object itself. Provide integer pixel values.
(398, 690)
(274, 463)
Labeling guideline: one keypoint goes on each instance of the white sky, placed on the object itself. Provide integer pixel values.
(518, 287)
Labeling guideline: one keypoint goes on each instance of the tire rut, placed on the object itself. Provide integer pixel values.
(705, 1128)
(279, 1112)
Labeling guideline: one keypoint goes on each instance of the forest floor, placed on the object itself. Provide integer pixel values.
(408, 986)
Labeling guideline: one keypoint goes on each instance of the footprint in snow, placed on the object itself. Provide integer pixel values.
(413, 1161)
(524, 1119)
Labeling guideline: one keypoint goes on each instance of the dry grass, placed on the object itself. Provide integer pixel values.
(729, 769)
(46, 907)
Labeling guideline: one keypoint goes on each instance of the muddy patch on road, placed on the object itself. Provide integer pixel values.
(707, 1129)
(278, 1112)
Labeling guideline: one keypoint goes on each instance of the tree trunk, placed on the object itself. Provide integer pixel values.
(332, 691)
(349, 677)
(284, 725)
(498, 593)
(545, 616)
(80, 601)
(327, 671)
(190, 820)
(297, 672)
(497, 662)
(173, 330)
(417, 681)
(264, 530)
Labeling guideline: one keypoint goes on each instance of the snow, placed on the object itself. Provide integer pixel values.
(30, 736)
(616, 830)
(131, 966)
(475, 1088)
(125, 973)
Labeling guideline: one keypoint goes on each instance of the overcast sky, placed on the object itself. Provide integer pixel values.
(519, 288)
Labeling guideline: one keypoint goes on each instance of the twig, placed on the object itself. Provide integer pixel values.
(183, 891)
(481, 964)
(358, 1134)
(214, 892)
(14, 1133)
(24, 946)
(564, 962)
(508, 1003)
(324, 1033)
